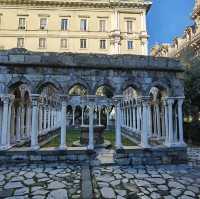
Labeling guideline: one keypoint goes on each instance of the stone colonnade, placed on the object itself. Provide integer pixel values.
(159, 120)
(18, 125)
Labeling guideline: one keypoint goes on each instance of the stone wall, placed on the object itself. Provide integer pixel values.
(90, 70)
(151, 156)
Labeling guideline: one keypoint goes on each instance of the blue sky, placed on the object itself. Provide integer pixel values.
(167, 19)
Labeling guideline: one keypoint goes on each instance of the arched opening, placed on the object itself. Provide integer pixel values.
(78, 90)
(130, 93)
(105, 91)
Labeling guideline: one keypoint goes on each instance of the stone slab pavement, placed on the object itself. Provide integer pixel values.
(63, 181)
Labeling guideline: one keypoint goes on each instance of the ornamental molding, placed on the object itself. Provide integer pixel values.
(95, 4)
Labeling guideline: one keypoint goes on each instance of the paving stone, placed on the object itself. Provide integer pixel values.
(158, 181)
(155, 195)
(58, 194)
(193, 188)
(40, 192)
(56, 185)
(176, 185)
(175, 192)
(21, 192)
(189, 193)
(107, 192)
(13, 185)
(115, 183)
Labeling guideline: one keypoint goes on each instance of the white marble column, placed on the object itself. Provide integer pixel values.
(28, 121)
(166, 122)
(34, 130)
(158, 120)
(18, 124)
(22, 121)
(45, 118)
(4, 142)
(170, 103)
(40, 119)
(99, 111)
(144, 135)
(73, 116)
(49, 119)
(63, 126)
(107, 118)
(180, 121)
(91, 127)
(118, 136)
(82, 115)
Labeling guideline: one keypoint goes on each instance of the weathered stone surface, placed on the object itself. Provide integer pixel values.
(107, 192)
(56, 185)
(13, 185)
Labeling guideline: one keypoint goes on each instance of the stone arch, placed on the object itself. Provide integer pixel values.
(132, 83)
(78, 82)
(51, 82)
(16, 81)
(81, 90)
(105, 90)
(106, 83)
(163, 87)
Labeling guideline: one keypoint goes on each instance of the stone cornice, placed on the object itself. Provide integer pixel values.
(80, 3)
(22, 58)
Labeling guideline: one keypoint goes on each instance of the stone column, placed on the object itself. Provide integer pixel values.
(180, 121)
(34, 130)
(40, 119)
(158, 120)
(166, 122)
(99, 111)
(118, 136)
(9, 120)
(82, 115)
(4, 133)
(170, 103)
(45, 118)
(144, 135)
(63, 126)
(107, 119)
(73, 116)
(49, 119)
(91, 127)
(28, 120)
(18, 123)
(134, 122)
(22, 121)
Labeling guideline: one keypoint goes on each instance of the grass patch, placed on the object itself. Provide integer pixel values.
(74, 135)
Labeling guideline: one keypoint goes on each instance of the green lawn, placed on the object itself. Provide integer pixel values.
(74, 135)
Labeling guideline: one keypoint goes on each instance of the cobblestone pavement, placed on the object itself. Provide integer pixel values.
(40, 182)
(168, 182)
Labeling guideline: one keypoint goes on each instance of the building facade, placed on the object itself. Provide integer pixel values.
(75, 26)
(190, 40)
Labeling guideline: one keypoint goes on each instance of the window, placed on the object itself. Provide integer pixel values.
(102, 44)
(43, 23)
(83, 25)
(83, 43)
(102, 25)
(130, 44)
(64, 24)
(20, 42)
(22, 24)
(129, 26)
(63, 43)
(42, 43)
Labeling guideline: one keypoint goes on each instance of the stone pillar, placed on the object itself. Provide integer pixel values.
(166, 122)
(99, 111)
(22, 121)
(158, 120)
(63, 126)
(170, 103)
(73, 116)
(45, 118)
(5, 143)
(40, 119)
(180, 121)
(91, 127)
(144, 135)
(131, 116)
(149, 121)
(9, 121)
(107, 119)
(134, 121)
(34, 130)
(28, 120)
(49, 118)
(82, 115)
(18, 124)
(118, 136)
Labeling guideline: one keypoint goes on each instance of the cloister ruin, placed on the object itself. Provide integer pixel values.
(44, 92)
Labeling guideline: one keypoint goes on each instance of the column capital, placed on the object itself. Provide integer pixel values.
(117, 99)
(8, 98)
(35, 98)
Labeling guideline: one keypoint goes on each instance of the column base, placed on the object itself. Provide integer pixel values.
(178, 144)
(146, 146)
(119, 146)
(62, 147)
(90, 147)
(34, 148)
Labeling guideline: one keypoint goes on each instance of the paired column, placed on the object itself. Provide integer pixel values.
(91, 127)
